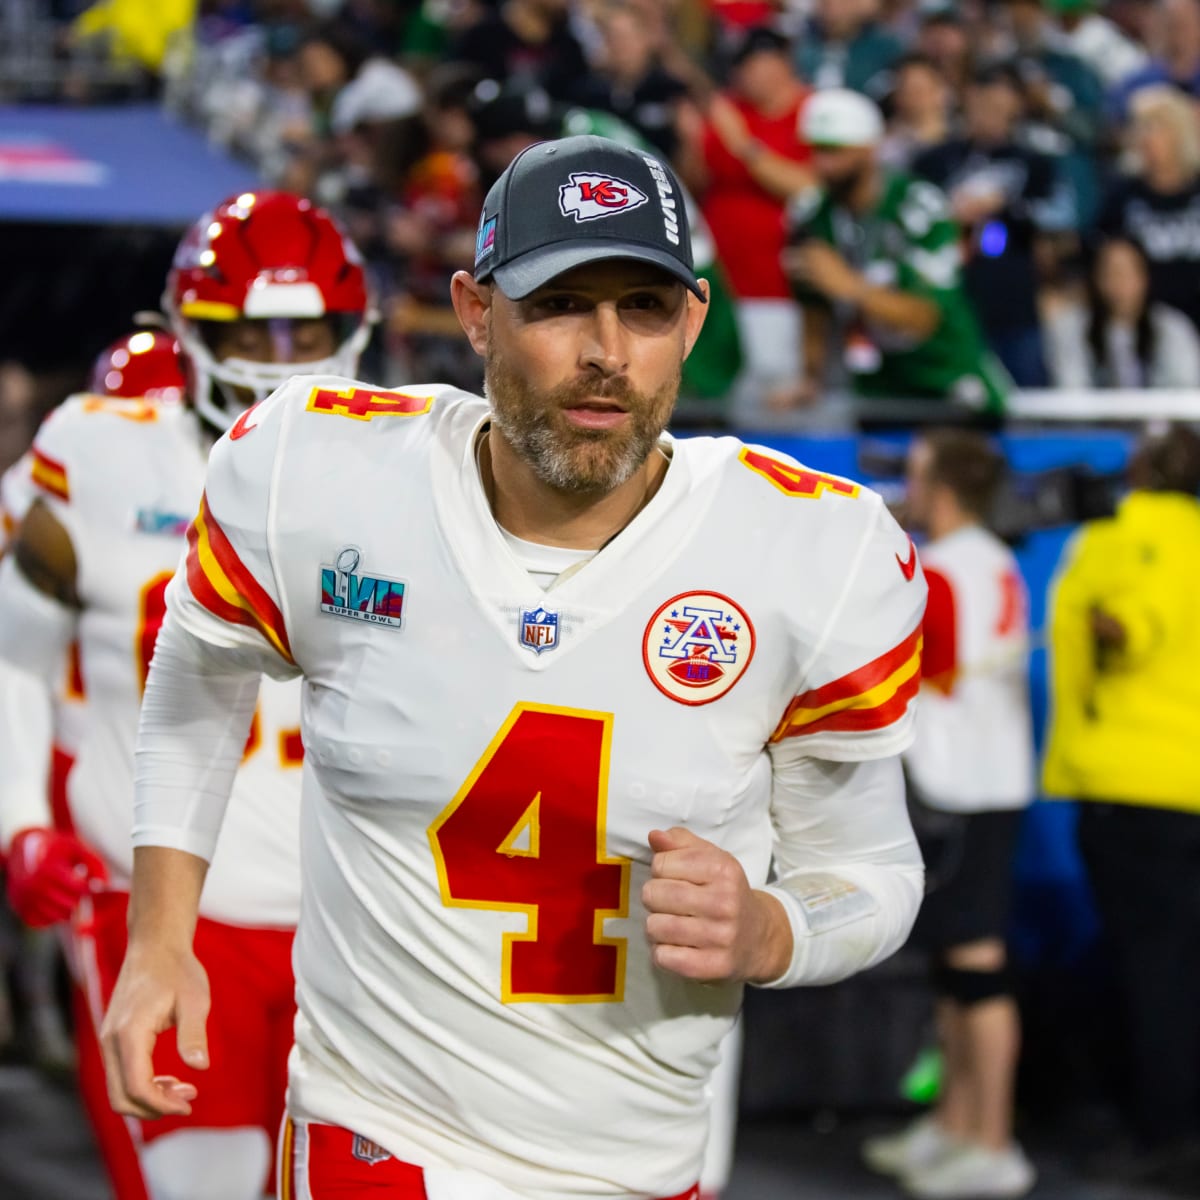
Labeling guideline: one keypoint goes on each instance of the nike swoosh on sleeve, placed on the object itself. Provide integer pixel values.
(908, 568)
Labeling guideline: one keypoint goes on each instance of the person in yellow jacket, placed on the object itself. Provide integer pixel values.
(1125, 737)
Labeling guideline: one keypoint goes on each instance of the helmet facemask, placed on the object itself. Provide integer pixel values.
(224, 386)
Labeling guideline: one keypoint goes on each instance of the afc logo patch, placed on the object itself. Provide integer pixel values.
(539, 630)
(697, 646)
(588, 197)
(375, 599)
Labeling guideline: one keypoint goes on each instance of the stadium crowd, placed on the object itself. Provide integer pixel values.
(1061, 138)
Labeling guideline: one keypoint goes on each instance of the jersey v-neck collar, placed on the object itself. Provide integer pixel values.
(588, 597)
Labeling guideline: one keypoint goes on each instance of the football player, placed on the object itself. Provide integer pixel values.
(570, 686)
(264, 282)
(52, 869)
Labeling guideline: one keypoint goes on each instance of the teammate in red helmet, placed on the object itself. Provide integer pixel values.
(263, 282)
(262, 287)
(144, 365)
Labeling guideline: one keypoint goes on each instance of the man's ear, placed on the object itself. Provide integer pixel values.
(697, 311)
(471, 302)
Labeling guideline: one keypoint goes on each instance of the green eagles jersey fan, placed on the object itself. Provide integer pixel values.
(910, 243)
(716, 359)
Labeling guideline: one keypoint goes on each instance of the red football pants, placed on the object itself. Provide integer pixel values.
(249, 1025)
(324, 1162)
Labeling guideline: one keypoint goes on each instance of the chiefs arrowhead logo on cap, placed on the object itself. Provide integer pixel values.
(588, 197)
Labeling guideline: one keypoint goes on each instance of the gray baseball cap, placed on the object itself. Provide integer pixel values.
(578, 200)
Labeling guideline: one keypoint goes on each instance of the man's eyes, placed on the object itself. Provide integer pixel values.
(561, 304)
(645, 301)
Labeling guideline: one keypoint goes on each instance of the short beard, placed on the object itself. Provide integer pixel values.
(842, 190)
(563, 456)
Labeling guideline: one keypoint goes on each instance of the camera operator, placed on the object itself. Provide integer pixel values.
(877, 252)
(1125, 679)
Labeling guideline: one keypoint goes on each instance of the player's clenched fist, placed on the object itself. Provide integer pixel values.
(704, 920)
(155, 991)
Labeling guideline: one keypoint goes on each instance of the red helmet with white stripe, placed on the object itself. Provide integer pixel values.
(273, 258)
(142, 365)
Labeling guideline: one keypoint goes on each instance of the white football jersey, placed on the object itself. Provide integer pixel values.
(124, 478)
(486, 758)
(974, 743)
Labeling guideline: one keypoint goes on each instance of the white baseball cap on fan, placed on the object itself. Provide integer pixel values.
(841, 117)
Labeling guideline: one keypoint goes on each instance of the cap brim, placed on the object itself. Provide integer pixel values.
(535, 269)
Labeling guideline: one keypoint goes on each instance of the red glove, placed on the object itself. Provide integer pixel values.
(48, 874)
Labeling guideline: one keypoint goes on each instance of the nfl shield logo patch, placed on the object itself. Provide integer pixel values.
(367, 1151)
(539, 630)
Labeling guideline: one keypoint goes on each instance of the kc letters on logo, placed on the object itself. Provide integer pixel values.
(589, 197)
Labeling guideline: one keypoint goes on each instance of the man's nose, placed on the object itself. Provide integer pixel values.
(604, 345)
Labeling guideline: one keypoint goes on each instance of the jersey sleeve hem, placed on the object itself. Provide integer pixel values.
(169, 838)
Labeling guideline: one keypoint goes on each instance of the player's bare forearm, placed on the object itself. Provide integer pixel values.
(165, 897)
(704, 921)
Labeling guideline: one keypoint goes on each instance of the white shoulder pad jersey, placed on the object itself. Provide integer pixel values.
(124, 478)
(486, 759)
(974, 746)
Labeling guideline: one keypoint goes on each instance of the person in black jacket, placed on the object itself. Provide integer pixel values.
(1158, 209)
(1002, 194)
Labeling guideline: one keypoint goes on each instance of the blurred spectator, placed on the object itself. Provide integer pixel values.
(432, 209)
(943, 38)
(1174, 39)
(878, 252)
(921, 110)
(1125, 683)
(1096, 41)
(247, 89)
(350, 83)
(1158, 209)
(629, 79)
(506, 118)
(751, 159)
(845, 45)
(360, 103)
(971, 774)
(1062, 90)
(1001, 195)
(1121, 338)
(525, 41)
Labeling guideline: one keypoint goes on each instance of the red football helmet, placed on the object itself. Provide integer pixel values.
(270, 257)
(142, 365)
